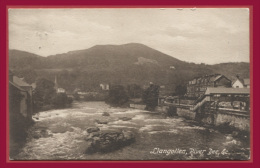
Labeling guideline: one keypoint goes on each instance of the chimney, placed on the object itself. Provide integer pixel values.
(237, 76)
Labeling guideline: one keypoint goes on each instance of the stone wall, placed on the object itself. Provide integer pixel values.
(162, 109)
(138, 106)
(219, 118)
(186, 113)
(240, 122)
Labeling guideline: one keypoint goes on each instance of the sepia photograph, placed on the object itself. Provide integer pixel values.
(129, 84)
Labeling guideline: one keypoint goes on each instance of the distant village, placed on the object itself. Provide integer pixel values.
(211, 99)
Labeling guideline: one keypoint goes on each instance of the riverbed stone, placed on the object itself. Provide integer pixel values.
(36, 134)
(125, 118)
(93, 129)
(108, 141)
(101, 121)
(106, 114)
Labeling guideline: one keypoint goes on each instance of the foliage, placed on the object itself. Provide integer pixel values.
(134, 91)
(117, 95)
(76, 96)
(180, 90)
(150, 96)
(87, 69)
(61, 100)
(45, 96)
(44, 93)
(28, 74)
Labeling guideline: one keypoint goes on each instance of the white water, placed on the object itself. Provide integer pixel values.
(152, 130)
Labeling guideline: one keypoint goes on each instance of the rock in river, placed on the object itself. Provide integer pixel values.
(36, 134)
(108, 141)
(105, 114)
(93, 129)
(124, 118)
(101, 121)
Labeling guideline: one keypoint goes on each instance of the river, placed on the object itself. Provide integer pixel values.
(158, 137)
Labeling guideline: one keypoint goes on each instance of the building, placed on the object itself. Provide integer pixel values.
(20, 101)
(20, 96)
(22, 84)
(227, 98)
(104, 86)
(224, 107)
(198, 86)
(58, 89)
(172, 67)
(241, 83)
(20, 110)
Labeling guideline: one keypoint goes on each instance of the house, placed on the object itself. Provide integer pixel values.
(22, 84)
(104, 86)
(20, 98)
(60, 90)
(172, 67)
(241, 83)
(20, 110)
(197, 86)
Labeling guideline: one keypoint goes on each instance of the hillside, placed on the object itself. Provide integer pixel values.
(115, 64)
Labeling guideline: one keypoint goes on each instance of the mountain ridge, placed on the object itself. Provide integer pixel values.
(116, 64)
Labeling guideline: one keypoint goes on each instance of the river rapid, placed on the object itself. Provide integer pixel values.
(158, 137)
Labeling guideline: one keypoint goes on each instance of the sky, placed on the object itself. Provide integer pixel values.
(199, 35)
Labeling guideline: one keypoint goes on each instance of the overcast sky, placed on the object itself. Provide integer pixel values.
(201, 35)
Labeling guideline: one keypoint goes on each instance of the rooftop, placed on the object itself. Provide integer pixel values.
(19, 81)
(212, 77)
(211, 90)
(247, 81)
(18, 87)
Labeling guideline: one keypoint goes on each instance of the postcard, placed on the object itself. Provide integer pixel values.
(129, 84)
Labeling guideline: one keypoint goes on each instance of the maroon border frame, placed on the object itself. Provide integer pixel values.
(254, 59)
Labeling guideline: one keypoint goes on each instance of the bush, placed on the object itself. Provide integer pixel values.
(117, 96)
(61, 100)
(150, 97)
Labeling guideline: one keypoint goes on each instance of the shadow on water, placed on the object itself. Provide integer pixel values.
(18, 134)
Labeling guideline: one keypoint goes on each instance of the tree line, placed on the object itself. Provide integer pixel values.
(45, 96)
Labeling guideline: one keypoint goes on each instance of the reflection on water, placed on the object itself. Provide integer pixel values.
(157, 137)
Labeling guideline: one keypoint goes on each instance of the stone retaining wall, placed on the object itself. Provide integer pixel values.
(138, 106)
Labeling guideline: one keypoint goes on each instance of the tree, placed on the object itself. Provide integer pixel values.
(28, 74)
(44, 93)
(150, 97)
(180, 90)
(61, 100)
(117, 95)
(134, 91)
